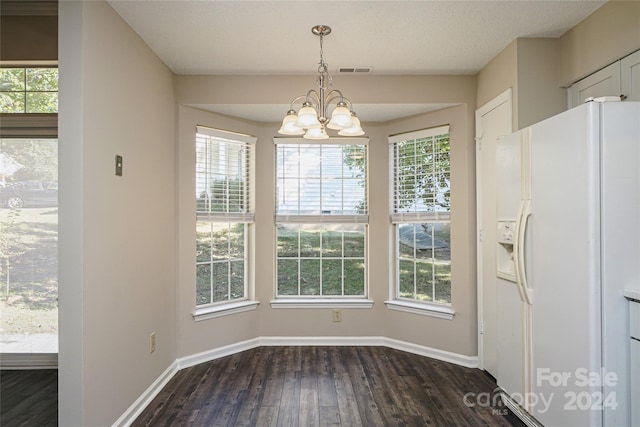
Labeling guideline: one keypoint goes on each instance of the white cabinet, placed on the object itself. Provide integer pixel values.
(630, 76)
(620, 78)
(605, 82)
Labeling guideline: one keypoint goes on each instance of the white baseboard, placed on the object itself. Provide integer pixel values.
(216, 353)
(321, 341)
(29, 361)
(518, 410)
(184, 362)
(149, 394)
(434, 353)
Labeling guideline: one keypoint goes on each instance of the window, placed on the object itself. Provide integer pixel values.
(29, 247)
(321, 216)
(28, 90)
(225, 212)
(420, 213)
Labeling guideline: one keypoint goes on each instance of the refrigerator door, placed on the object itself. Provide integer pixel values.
(620, 183)
(563, 267)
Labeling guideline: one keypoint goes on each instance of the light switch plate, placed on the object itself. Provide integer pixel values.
(118, 165)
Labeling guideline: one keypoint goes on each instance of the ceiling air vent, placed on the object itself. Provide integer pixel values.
(355, 69)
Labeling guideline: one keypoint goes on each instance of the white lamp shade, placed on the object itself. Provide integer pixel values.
(307, 118)
(354, 130)
(340, 118)
(289, 126)
(316, 133)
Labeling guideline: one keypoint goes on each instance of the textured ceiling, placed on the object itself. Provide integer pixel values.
(393, 37)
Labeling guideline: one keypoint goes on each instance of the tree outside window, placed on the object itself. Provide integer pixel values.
(421, 208)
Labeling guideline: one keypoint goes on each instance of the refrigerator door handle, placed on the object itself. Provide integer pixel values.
(523, 220)
(517, 250)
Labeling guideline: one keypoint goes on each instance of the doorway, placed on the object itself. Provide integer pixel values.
(493, 120)
(29, 252)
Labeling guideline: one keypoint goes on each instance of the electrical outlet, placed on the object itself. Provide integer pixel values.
(337, 315)
(152, 342)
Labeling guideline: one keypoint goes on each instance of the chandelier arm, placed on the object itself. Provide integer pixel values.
(313, 97)
(333, 95)
(349, 104)
(295, 100)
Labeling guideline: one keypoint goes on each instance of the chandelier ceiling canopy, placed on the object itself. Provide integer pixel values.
(312, 120)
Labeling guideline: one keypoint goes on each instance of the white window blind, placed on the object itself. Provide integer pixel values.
(224, 164)
(420, 163)
(321, 182)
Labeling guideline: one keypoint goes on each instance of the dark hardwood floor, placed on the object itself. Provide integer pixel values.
(292, 386)
(29, 398)
(322, 386)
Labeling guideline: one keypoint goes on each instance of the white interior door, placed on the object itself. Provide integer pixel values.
(493, 120)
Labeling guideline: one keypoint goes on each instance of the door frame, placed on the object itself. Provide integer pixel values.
(504, 97)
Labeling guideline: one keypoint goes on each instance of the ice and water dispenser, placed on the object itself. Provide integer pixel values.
(506, 265)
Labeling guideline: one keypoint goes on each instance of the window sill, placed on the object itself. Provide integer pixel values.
(212, 312)
(321, 303)
(441, 312)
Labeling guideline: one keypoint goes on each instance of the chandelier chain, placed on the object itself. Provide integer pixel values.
(324, 79)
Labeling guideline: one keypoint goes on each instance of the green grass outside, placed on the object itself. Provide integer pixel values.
(315, 254)
(29, 271)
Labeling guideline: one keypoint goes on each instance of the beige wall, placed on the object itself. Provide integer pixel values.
(456, 336)
(529, 68)
(608, 34)
(538, 69)
(499, 75)
(538, 94)
(196, 90)
(117, 234)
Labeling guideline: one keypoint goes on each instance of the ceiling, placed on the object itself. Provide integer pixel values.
(391, 37)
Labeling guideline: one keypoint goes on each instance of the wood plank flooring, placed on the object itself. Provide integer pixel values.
(291, 386)
(326, 386)
(29, 398)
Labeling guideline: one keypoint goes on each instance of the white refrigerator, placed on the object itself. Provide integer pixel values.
(568, 211)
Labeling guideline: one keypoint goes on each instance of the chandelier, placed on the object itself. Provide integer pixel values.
(312, 119)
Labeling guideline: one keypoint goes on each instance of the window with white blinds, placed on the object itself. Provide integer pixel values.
(420, 166)
(321, 182)
(321, 216)
(224, 181)
(421, 177)
(224, 168)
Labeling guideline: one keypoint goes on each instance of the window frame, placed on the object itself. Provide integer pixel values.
(416, 216)
(322, 219)
(247, 302)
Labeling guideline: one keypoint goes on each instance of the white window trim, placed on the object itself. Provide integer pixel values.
(424, 133)
(442, 311)
(223, 309)
(425, 309)
(296, 302)
(331, 141)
